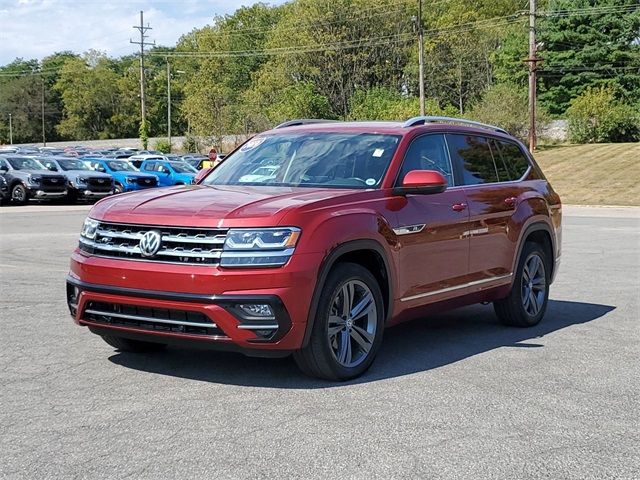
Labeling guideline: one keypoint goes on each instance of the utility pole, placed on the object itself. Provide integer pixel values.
(10, 131)
(169, 103)
(44, 138)
(142, 29)
(533, 65)
(421, 57)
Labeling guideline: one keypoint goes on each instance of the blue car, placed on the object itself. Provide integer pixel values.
(126, 177)
(169, 173)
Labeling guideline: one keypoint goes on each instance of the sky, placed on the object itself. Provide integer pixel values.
(37, 28)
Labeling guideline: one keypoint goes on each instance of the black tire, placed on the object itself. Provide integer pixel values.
(133, 346)
(118, 189)
(515, 310)
(318, 358)
(19, 194)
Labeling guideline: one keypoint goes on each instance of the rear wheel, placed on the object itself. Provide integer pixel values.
(19, 194)
(527, 302)
(133, 346)
(347, 331)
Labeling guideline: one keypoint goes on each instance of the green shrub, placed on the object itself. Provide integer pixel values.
(507, 106)
(143, 132)
(597, 116)
(162, 145)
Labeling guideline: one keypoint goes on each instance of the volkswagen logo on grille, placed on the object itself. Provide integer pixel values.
(150, 243)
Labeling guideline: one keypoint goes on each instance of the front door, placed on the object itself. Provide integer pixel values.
(434, 252)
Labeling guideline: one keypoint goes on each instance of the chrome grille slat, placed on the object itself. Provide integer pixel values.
(141, 318)
(196, 246)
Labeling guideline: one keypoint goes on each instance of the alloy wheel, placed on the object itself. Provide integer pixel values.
(352, 323)
(534, 284)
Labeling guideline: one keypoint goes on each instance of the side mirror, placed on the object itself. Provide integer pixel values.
(201, 174)
(51, 168)
(422, 182)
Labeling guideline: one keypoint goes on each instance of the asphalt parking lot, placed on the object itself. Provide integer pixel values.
(454, 396)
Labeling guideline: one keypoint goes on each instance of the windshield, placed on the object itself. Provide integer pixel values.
(182, 167)
(317, 159)
(121, 166)
(72, 164)
(25, 163)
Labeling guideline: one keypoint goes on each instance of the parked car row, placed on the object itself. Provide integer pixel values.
(47, 177)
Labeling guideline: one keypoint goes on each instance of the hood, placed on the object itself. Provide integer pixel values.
(85, 174)
(211, 206)
(37, 173)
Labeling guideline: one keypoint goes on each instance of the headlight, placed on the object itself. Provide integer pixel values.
(89, 228)
(80, 180)
(131, 179)
(35, 180)
(264, 247)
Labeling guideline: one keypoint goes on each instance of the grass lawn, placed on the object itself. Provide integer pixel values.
(595, 174)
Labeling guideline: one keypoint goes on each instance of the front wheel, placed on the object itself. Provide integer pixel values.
(527, 302)
(19, 194)
(348, 328)
(118, 189)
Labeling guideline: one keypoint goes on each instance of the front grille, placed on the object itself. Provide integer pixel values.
(179, 245)
(147, 182)
(152, 319)
(53, 183)
(97, 184)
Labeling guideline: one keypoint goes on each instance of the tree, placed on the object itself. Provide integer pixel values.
(582, 51)
(507, 106)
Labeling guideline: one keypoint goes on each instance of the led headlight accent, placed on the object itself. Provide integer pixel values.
(262, 239)
(263, 247)
(131, 179)
(33, 179)
(89, 228)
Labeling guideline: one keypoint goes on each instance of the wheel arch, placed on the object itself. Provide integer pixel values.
(366, 252)
(539, 232)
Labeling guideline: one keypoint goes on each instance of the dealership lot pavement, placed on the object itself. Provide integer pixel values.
(454, 396)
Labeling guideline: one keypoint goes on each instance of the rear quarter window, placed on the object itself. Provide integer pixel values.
(515, 161)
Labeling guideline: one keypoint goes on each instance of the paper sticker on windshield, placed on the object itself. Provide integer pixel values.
(253, 143)
(378, 152)
(370, 181)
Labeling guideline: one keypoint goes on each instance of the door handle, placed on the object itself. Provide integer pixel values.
(510, 201)
(459, 207)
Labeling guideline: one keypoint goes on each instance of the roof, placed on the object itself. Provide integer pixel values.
(389, 127)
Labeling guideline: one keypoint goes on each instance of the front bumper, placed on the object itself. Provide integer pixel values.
(193, 303)
(93, 194)
(37, 192)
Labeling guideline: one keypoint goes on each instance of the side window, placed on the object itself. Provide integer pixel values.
(428, 152)
(150, 166)
(472, 155)
(161, 167)
(3, 164)
(514, 159)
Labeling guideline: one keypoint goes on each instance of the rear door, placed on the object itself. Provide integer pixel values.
(434, 253)
(492, 198)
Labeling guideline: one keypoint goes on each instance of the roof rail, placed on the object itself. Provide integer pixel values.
(412, 122)
(304, 121)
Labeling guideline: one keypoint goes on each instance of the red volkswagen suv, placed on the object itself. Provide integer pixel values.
(313, 237)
